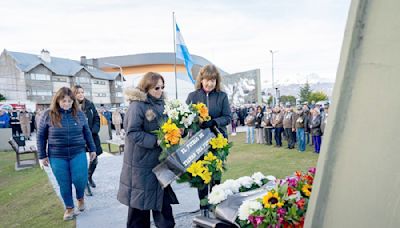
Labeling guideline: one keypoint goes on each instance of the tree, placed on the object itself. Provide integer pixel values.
(317, 96)
(305, 92)
(2, 98)
(269, 101)
(291, 99)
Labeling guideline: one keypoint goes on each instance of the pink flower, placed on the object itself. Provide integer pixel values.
(256, 220)
(312, 170)
(292, 181)
(281, 212)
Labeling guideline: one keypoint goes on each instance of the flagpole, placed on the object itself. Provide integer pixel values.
(176, 80)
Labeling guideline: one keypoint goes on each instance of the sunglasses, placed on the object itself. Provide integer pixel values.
(158, 87)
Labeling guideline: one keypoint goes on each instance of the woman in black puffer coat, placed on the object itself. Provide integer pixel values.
(94, 124)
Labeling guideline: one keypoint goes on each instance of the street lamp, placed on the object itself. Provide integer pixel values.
(273, 86)
(120, 71)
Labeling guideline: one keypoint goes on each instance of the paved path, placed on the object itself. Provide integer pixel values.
(103, 209)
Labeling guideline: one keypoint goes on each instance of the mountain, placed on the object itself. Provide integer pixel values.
(294, 89)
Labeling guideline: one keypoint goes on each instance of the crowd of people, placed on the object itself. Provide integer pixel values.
(21, 121)
(299, 125)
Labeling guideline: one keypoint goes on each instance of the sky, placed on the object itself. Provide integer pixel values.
(234, 35)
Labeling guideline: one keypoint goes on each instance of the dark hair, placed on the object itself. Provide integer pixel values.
(208, 72)
(149, 81)
(55, 115)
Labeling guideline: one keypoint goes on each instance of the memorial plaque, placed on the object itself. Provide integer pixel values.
(177, 163)
(194, 148)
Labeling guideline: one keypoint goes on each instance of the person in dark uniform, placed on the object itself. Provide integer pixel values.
(14, 122)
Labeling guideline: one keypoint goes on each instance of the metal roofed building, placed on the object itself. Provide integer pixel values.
(36, 78)
(135, 66)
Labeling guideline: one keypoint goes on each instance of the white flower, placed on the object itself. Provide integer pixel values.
(187, 121)
(245, 181)
(258, 177)
(271, 178)
(217, 195)
(175, 103)
(232, 185)
(173, 114)
(248, 207)
(183, 108)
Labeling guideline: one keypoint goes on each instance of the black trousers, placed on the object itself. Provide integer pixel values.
(290, 138)
(92, 167)
(141, 218)
(268, 136)
(16, 129)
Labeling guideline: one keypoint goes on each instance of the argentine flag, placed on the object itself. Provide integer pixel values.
(183, 53)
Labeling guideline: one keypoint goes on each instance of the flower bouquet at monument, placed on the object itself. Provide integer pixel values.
(201, 172)
(180, 117)
(283, 206)
(230, 187)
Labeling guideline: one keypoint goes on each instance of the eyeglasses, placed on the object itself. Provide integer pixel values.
(158, 87)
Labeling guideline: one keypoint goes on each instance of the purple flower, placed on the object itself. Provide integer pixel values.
(281, 212)
(256, 220)
(292, 181)
(312, 170)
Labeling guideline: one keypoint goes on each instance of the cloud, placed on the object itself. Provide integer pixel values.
(235, 35)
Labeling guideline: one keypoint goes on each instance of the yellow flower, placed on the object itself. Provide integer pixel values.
(219, 164)
(206, 176)
(168, 126)
(306, 189)
(219, 142)
(272, 200)
(203, 111)
(196, 169)
(210, 157)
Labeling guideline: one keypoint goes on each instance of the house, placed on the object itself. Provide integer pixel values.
(36, 78)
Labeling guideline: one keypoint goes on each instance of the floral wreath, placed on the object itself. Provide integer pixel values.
(189, 118)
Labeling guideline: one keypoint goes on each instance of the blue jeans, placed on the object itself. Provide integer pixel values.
(317, 143)
(70, 171)
(250, 135)
(278, 136)
(301, 139)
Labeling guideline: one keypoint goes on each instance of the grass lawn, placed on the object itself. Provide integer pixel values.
(114, 148)
(27, 198)
(245, 159)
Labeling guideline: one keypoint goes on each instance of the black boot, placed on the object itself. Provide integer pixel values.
(88, 191)
(92, 168)
(91, 182)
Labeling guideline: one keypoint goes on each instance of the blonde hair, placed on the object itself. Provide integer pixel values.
(208, 72)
